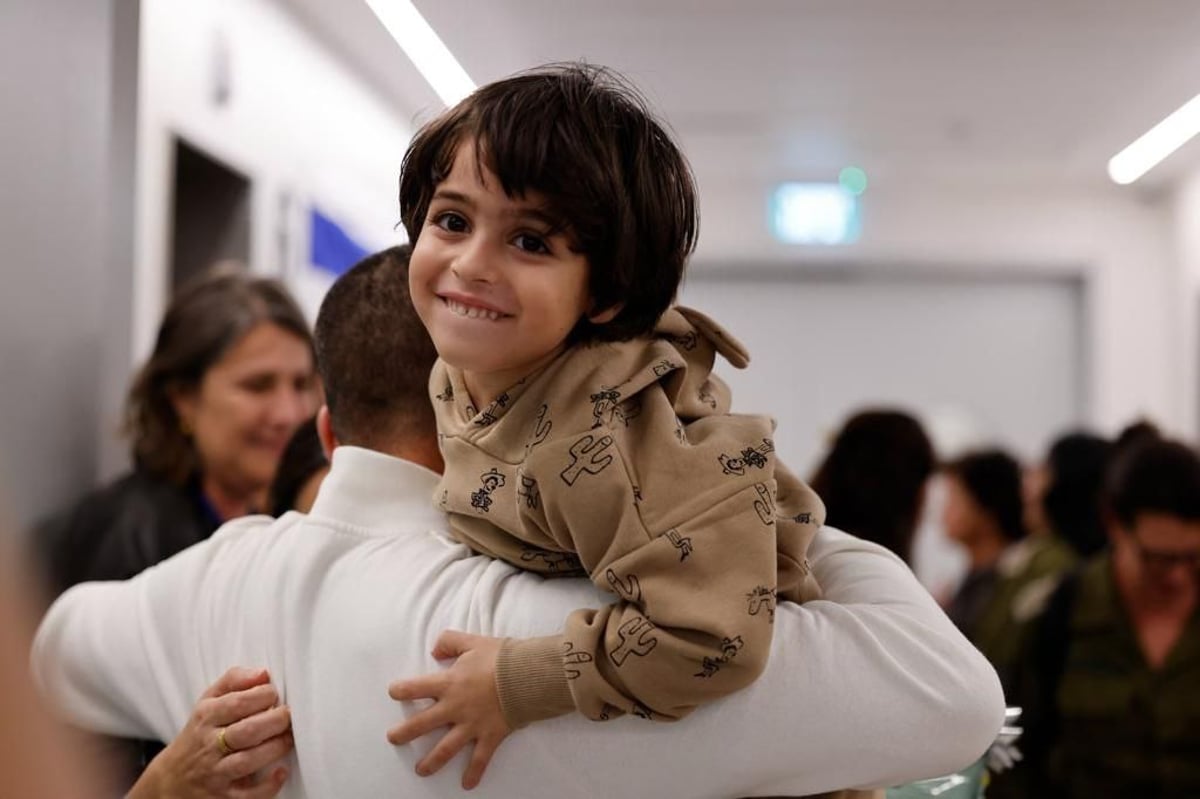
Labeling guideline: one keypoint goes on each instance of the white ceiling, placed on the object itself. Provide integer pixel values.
(1012, 90)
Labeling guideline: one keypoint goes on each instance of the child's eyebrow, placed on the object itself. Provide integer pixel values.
(452, 196)
(537, 215)
(530, 212)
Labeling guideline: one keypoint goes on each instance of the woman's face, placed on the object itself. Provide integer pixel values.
(247, 406)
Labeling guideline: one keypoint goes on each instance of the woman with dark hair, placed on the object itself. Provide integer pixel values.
(301, 470)
(983, 512)
(873, 478)
(208, 415)
(1064, 493)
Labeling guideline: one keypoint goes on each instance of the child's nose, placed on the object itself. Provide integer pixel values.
(473, 263)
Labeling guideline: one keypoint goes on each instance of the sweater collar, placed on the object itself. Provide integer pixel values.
(369, 489)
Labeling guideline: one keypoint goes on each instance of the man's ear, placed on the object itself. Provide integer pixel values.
(328, 440)
(607, 315)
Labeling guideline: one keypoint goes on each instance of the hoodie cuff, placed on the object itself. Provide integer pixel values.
(530, 680)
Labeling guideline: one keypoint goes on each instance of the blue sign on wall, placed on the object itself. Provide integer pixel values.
(330, 247)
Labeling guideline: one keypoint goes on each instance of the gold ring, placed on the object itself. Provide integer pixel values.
(222, 745)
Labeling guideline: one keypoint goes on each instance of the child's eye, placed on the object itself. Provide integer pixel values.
(451, 222)
(530, 243)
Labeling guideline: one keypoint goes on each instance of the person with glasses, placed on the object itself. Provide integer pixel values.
(1111, 683)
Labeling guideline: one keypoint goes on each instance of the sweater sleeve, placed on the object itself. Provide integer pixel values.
(101, 656)
(679, 524)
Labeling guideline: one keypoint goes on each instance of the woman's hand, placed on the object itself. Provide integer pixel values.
(236, 729)
(465, 700)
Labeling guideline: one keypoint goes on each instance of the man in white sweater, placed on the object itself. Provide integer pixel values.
(872, 686)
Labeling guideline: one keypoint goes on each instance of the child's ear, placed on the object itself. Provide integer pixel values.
(607, 315)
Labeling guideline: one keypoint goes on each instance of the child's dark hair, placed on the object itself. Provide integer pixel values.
(619, 186)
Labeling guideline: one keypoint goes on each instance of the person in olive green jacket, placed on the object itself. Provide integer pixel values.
(1111, 678)
(1063, 517)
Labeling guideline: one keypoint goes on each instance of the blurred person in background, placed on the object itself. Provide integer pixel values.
(1063, 514)
(1063, 500)
(1135, 432)
(1065, 522)
(208, 415)
(1110, 680)
(301, 470)
(873, 478)
(983, 512)
(230, 379)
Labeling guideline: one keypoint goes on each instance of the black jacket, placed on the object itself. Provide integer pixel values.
(118, 530)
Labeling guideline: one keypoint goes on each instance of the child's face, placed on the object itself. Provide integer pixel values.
(498, 292)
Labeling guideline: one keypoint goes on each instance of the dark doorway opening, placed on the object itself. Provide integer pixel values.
(211, 217)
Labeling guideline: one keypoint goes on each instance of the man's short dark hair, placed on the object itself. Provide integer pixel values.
(1155, 475)
(993, 479)
(374, 355)
(614, 179)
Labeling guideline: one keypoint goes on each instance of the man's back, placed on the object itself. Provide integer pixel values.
(339, 604)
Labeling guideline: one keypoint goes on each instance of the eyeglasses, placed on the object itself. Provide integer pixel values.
(1165, 560)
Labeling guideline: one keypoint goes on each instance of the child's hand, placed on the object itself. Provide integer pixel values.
(465, 700)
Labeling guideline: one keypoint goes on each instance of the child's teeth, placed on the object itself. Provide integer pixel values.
(471, 311)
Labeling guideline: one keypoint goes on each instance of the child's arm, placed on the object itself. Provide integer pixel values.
(464, 699)
(695, 616)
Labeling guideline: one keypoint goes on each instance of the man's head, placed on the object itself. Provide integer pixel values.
(374, 357)
(585, 168)
(1152, 498)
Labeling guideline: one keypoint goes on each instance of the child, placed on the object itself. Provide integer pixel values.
(582, 429)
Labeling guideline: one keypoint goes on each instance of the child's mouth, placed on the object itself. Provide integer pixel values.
(472, 311)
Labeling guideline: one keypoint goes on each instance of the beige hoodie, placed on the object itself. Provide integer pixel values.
(621, 461)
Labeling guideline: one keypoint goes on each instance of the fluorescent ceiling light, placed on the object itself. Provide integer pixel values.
(422, 45)
(1156, 144)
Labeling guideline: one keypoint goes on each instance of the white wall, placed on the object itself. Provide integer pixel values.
(64, 179)
(1187, 303)
(987, 362)
(1119, 242)
(296, 122)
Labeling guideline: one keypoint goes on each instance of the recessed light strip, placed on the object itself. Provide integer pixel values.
(1156, 144)
(422, 45)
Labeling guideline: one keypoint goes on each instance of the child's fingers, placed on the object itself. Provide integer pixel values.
(422, 723)
(451, 644)
(450, 745)
(484, 750)
(429, 686)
